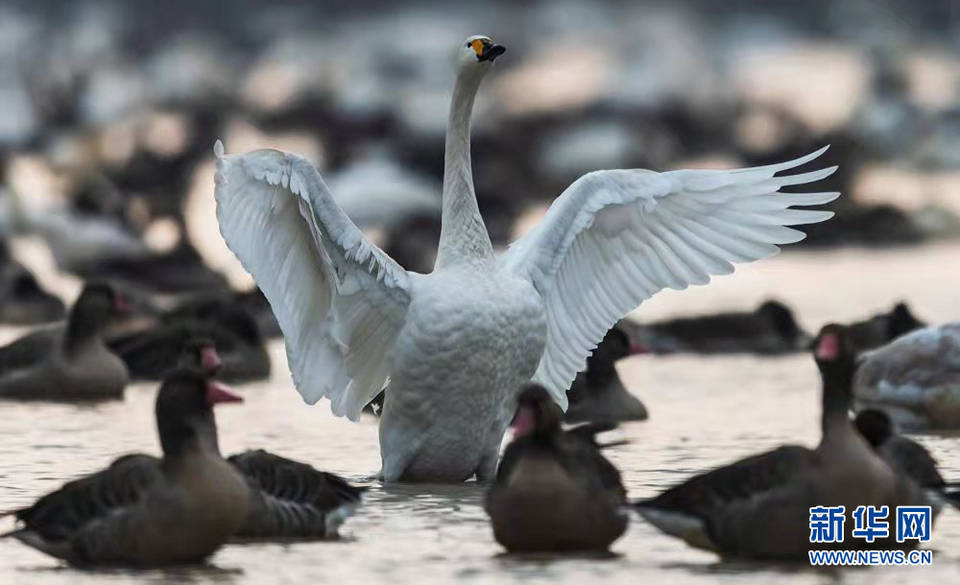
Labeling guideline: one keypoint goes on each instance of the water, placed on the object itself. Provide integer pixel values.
(704, 412)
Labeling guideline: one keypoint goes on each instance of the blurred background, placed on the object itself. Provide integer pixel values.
(109, 109)
(108, 115)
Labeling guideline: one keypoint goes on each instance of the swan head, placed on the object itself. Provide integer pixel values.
(478, 52)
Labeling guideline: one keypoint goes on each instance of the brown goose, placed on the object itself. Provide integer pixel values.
(145, 511)
(554, 490)
(598, 393)
(22, 300)
(759, 507)
(903, 453)
(883, 328)
(288, 499)
(292, 500)
(148, 354)
(68, 361)
(770, 329)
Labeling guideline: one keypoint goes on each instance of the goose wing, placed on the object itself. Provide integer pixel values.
(694, 510)
(913, 459)
(30, 349)
(292, 499)
(584, 454)
(748, 478)
(58, 515)
(615, 238)
(340, 301)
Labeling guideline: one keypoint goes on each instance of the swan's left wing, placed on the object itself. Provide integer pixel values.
(615, 238)
(340, 300)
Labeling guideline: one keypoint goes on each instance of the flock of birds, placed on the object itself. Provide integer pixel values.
(451, 359)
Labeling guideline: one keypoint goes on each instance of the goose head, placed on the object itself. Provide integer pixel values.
(201, 353)
(97, 304)
(615, 345)
(184, 411)
(835, 353)
(875, 426)
(477, 54)
(537, 413)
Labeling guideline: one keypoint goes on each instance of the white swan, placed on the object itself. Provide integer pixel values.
(458, 343)
(915, 378)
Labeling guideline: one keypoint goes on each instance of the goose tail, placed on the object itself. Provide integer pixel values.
(59, 549)
(687, 527)
(336, 517)
(953, 497)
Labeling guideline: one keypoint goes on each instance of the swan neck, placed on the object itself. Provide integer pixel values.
(463, 235)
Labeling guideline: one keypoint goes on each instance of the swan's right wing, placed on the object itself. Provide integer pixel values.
(340, 300)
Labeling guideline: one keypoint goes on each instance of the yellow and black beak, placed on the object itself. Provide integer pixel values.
(487, 51)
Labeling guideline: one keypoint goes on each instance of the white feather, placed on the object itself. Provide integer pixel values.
(339, 300)
(615, 238)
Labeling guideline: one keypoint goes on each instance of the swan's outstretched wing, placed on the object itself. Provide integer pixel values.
(615, 238)
(340, 301)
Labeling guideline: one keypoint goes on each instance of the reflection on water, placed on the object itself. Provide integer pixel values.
(704, 411)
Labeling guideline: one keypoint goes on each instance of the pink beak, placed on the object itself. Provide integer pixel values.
(523, 422)
(829, 347)
(638, 348)
(218, 392)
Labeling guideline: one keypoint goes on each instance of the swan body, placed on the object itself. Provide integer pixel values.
(915, 379)
(497, 324)
(457, 344)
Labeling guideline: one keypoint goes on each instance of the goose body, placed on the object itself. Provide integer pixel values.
(144, 510)
(759, 507)
(598, 393)
(22, 300)
(770, 329)
(457, 344)
(68, 361)
(289, 499)
(148, 511)
(882, 328)
(915, 378)
(900, 452)
(554, 490)
(150, 353)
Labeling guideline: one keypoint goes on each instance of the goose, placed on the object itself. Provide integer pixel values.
(458, 343)
(915, 379)
(178, 270)
(769, 329)
(598, 393)
(148, 354)
(22, 300)
(759, 507)
(554, 490)
(292, 500)
(287, 499)
(903, 453)
(145, 511)
(882, 328)
(68, 361)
